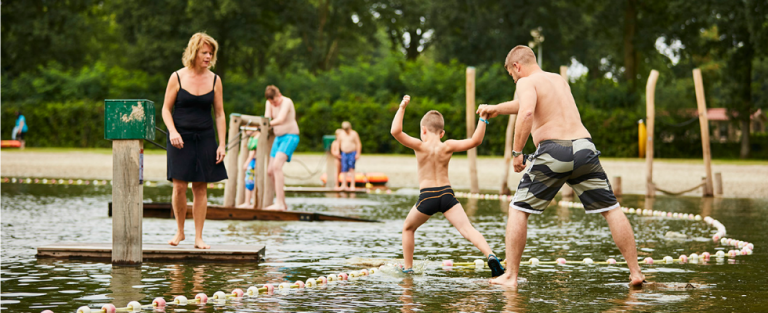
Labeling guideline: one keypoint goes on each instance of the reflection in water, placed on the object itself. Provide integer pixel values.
(124, 278)
(299, 250)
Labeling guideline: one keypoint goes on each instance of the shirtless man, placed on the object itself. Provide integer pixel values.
(565, 153)
(280, 109)
(349, 143)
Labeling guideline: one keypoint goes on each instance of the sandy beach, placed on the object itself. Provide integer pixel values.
(740, 179)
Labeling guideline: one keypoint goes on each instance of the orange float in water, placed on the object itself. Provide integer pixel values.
(10, 143)
(362, 178)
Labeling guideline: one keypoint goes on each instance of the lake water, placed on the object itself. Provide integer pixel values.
(34, 215)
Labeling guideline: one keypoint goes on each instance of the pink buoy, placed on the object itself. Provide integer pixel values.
(299, 283)
(716, 238)
(669, 214)
(238, 292)
(611, 261)
(683, 258)
(705, 256)
(158, 302)
(343, 276)
(744, 251)
(202, 298)
(750, 246)
(322, 280)
(447, 262)
(560, 261)
(648, 260)
(44, 311)
(270, 288)
(109, 308)
(364, 272)
(733, 253)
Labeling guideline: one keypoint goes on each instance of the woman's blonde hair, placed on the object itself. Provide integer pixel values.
(195, 44)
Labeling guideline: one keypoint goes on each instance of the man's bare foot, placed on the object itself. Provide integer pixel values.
(199, 244)
(337, 188)
(275, 207)
(176, 239)
(636, 280)
(505, 280)
(245, 206)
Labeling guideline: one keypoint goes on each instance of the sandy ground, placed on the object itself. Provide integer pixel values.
(742, 181)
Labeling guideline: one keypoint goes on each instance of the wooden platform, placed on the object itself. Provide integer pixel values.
(164, 210)
(103, 251)
(321, 190)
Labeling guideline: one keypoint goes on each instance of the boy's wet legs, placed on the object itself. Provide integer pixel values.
(412, 222)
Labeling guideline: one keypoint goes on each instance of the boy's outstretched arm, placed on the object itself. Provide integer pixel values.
(476, 140)
(397, 127)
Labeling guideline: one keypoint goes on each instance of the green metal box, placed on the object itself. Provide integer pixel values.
(129, 119)
(327, 141)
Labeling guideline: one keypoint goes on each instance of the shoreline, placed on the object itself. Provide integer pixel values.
(741, 179)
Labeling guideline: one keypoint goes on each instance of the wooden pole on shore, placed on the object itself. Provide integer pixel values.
(564, 72)
(331, 177)
(127, 201)
(471, 153)
(617, 186)
(718, 184)
(650, 116)
(230, 161)
(509, 140)
(704, 123)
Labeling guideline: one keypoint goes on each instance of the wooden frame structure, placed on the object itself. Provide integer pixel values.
(650, 111)
(234, 188)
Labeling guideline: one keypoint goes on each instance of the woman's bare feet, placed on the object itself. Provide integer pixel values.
(505, 280)
(275, 207)
(636, 279)
(245, 206)
(199, 244)
(176, 239)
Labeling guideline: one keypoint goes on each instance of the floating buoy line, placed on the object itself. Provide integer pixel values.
(236, 295)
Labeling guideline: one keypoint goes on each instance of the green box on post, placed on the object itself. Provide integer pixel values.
(129, 119)
(327, 141)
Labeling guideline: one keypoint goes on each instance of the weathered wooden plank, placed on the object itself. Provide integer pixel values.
(470, 115)
(71, 250)
(230, 160)
(127, 194)
(164, 210)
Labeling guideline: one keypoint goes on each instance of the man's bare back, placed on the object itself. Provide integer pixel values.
(283, 116)
(348, 141)
(555, 115)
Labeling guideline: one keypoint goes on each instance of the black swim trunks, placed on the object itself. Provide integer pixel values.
(436, 199)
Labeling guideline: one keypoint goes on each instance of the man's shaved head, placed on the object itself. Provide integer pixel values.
(520, 54)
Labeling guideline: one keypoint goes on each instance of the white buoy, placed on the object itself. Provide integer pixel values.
(693, 257)
(588, 261)
(252, 291)
(668, 260)
(284, 286)
(311, 282)
(479, 264)
(134, 306)
(720, 254)
(533, 261)
(219, 295)
(84, 309)
(180, 300)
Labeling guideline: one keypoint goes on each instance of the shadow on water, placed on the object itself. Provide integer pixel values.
(38, 214)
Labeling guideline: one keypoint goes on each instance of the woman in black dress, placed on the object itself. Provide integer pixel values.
(193, 154)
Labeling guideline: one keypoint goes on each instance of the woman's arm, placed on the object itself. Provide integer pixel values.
(221, 121)
(170, 97)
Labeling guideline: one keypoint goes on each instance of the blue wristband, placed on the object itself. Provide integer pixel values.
(484, 120)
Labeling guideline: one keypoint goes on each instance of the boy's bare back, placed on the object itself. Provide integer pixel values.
(432, 154)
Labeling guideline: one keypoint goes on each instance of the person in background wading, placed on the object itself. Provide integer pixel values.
(193, 153)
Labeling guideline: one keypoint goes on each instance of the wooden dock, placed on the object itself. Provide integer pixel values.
(152, 252)
(215, 212)
(322, 190)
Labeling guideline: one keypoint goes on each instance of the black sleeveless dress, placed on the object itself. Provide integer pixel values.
(196, 162)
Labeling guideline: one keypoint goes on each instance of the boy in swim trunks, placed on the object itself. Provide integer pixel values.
(349, 144)
(250, 168)
(436, 195)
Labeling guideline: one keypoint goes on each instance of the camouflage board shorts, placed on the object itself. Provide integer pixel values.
(557, 162)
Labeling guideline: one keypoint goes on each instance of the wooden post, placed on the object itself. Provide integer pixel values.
(704, 123)
(262, 160)
(331, 179)
(230, 161)
(127, 201)
(650, 116)
(617, 186)
(718, 184)
(268, 192)
(471, 153)
(240, 194)
(564, 72)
